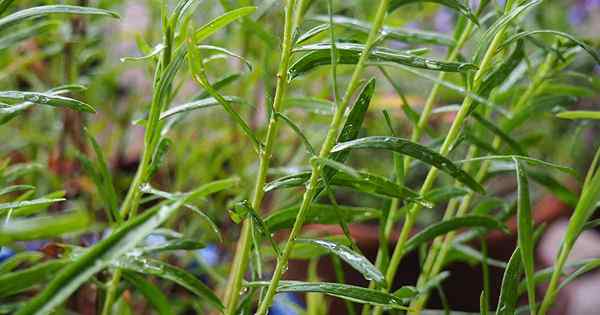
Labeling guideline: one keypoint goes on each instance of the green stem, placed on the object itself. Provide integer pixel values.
(553, 286)
(441, 246)
(111, 293)
(151, 137)
(240, 261)
(330, 140)
(451, 138)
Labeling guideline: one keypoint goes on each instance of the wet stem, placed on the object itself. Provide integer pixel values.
(242, 254)
(132, 199)
(328, 144)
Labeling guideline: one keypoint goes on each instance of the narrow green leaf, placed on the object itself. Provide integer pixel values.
(243, 210)
(339, 167)
(198, 72)
(169, 272)
(502, 22)
(343, 291)
(220, 22)
(19, 281)
(15, 188)
(579, 114)
(399, 34)
(4, 207)
(9, 264)
(509, 293)
(349, 53)
(590, 50)
(153, 53)
(514, 144)
(176, 244)
(299, 132)
(354, 259)
(353, 124)
(152, 294)
(443, 227)
(43, 99)
(529, 160)
(525, 227)
(24, 33)
(456, 5)
(104, 182)
(42, 227)
(198, 104)
(319, 213)
(52, 9)
(414, 150)
(98, 257)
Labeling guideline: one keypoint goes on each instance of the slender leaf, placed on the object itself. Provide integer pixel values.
(456, 5)
(44, 99)
(343, 291)
(98, 257)
(347, 53)
(43, 227)
(220, 22)
(443, 227)
(52, 9)
(354, 259)
(414, 150)
(153, 294)
(319, 213)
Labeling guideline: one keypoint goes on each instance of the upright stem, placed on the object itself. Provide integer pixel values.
(441, 246)
(334, 128)
(151, 137)
(240, 261)
(451, 138)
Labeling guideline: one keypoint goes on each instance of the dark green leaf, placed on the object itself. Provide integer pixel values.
(220, 22)
(44, 99)
(399, 34)
(16, 282)
(343, 291)
(414, 150)
(51, 9)
(509, 293)
(42, 227)
(98, 257)
(354, 259)
(319, 213)
(152, 294)
(347, 53)
(443, 227)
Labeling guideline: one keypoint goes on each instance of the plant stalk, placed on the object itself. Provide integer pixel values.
(132, 199)
(330, 141)
(240, 261)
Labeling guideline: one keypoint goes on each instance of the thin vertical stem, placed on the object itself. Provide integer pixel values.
(334, 128)
(240, 261)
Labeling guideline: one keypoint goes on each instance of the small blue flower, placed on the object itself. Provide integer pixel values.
(283, 304)
(5, 253)
(210, 255)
